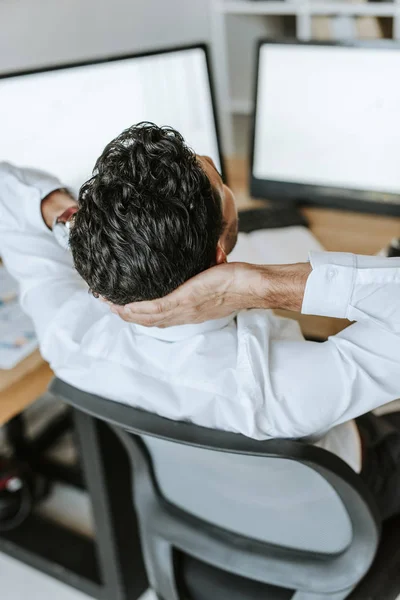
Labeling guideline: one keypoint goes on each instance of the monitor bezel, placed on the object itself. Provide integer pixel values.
(121, 57)
(314, 194)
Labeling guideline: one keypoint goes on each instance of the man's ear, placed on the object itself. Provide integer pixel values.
(220, 256)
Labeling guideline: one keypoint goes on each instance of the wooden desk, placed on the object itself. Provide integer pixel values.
(19, 387)
(335, 229)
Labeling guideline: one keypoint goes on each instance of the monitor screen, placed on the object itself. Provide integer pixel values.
(60, 119)
(327, 124)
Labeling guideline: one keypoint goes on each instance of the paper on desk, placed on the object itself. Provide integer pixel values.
(284, 245)
(17, 334)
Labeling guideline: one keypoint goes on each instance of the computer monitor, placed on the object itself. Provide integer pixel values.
(326, 126)
(59, 119)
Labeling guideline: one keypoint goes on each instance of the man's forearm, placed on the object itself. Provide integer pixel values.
(287, 285)
(273, 286)
(221, 291)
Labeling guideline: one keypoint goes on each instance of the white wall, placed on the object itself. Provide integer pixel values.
(36, 33)
(41, 32)
(243, 33)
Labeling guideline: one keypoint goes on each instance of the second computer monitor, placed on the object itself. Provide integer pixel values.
(327, 124)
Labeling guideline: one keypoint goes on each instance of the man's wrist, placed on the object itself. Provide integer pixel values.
(279, 286)
(55, 204)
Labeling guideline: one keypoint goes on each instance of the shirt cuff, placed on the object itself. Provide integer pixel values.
(330, 285)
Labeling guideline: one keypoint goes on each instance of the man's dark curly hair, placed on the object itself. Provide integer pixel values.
(148, 219)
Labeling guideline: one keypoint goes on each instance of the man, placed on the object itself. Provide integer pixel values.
(154, 215)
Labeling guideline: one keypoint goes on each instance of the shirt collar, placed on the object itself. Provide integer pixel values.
(181, 332)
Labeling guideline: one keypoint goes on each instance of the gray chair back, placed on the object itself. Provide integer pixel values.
(270, 499)
(280, 512)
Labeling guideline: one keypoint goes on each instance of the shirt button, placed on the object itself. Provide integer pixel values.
(331, 274)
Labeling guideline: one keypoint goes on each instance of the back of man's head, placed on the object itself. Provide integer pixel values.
(148, 219)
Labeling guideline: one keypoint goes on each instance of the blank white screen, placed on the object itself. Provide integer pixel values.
(61, 120)
(329, 116)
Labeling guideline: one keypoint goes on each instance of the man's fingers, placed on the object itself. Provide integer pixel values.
(129, 314)
(152, 307)
(143, 320)
(157, 320)
(141, 309)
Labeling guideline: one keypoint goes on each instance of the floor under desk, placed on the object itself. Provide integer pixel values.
(20, 582)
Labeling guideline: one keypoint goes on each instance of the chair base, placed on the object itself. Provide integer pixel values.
(200, 581)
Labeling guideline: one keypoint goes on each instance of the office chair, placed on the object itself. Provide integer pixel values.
(223, 516)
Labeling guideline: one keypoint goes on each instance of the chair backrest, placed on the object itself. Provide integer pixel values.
(274, 499)
(281, 492)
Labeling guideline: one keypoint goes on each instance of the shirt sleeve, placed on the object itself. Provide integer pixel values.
(44, 271)
(315, 386)
(358, 288)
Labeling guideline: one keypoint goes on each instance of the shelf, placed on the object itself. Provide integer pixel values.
(287, 7)
(373, 9)
(248, 7)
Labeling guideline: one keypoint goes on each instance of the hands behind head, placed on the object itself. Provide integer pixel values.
(221, 291)
(213, 294)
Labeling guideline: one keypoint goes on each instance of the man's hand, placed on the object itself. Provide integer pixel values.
(221, 291)
(55, 204)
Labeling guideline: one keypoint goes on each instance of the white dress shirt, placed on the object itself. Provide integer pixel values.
(251, 373)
